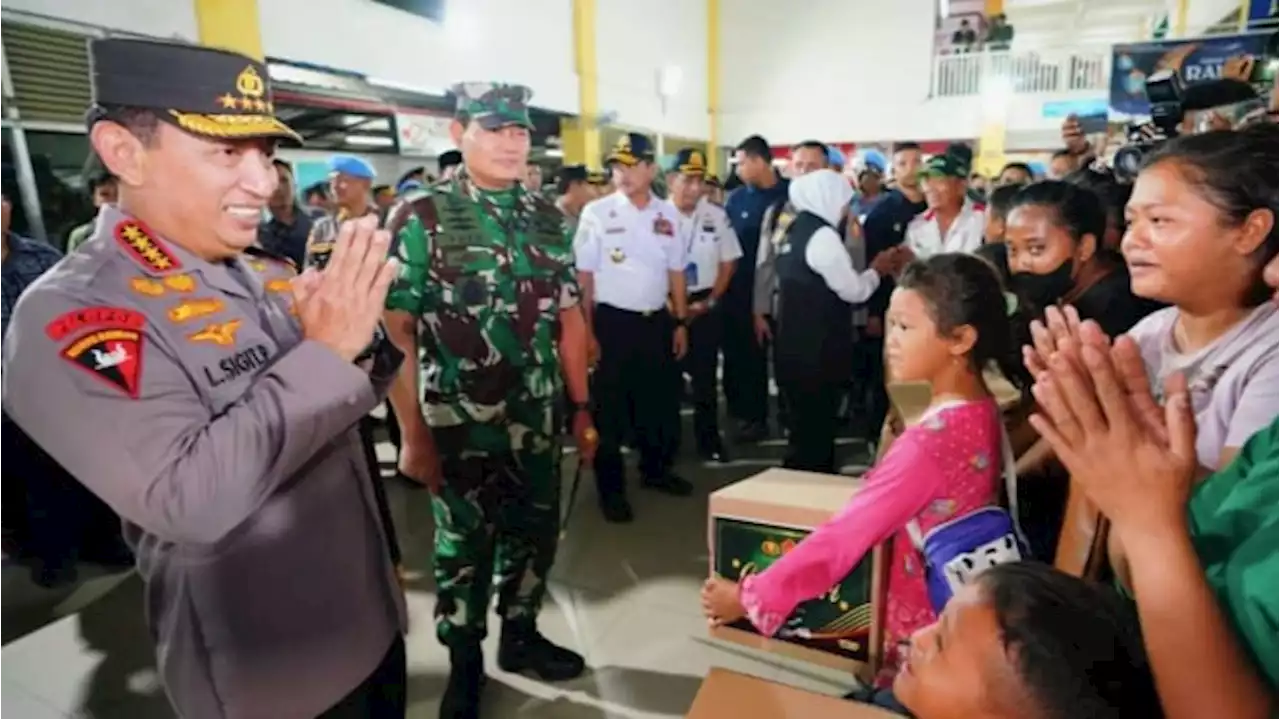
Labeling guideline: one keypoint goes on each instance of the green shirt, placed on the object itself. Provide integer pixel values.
(1234, 517)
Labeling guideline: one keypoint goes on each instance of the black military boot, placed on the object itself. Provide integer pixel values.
(466, 678)
(522, 648)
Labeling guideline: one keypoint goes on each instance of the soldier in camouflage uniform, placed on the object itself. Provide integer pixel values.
(487, 284)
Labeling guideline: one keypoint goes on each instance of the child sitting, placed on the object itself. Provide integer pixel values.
(946, 322)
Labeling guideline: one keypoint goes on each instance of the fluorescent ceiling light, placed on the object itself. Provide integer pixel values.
(369, 140)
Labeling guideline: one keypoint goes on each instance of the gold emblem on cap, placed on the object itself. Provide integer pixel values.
(250, 83)
(695, 158)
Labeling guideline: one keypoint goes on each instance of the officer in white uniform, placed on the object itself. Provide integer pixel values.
(953, 222)
(712, 251)
(629, 260)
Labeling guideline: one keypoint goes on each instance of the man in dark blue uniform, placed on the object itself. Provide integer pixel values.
(746, 377)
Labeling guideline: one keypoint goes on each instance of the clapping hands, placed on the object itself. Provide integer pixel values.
(1134, 459)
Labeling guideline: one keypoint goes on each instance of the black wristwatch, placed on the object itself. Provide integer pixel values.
(582, 407)
(682, 322)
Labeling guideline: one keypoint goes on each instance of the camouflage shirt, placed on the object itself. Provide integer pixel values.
(487, 274)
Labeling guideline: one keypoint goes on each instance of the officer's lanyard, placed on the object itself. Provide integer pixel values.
(692, 234)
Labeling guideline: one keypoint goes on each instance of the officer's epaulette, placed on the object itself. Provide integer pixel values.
(255, 251)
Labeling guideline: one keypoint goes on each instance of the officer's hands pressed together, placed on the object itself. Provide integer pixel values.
(340, 306)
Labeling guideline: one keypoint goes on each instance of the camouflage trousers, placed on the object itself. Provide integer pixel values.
(497, 519)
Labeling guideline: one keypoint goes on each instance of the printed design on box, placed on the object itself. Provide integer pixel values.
(839, 622)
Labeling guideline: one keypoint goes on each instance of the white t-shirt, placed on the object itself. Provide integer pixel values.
(965, 234)
(1234, 382)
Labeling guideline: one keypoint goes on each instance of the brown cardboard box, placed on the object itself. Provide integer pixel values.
(755, 521)
(729, 695)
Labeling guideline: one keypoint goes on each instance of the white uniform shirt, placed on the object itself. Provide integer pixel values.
(629, 251)
(708, 240)
(964, 235)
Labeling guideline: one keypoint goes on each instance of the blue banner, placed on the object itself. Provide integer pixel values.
(1262, 14)
(1196, 60)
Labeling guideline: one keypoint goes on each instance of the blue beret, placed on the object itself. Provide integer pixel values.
(407, 185)
(351, 165)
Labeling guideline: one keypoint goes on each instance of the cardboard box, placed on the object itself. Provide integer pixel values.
(759, 519)
(730, 694)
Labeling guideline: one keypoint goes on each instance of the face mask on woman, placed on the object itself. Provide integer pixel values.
(1047, 289)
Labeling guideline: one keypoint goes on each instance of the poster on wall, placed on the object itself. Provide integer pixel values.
(423, 135)
(1196, 60)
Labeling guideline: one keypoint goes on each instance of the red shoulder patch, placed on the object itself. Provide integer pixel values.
(86, 317)
(110, 349)
(140, 245)
(980, 206)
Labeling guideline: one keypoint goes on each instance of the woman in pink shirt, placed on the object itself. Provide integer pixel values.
(946, 321)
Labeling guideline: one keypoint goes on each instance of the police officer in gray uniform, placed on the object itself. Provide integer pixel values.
(210, 398)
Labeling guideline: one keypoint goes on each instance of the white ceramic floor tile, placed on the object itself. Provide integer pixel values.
(654, 660)
(89, 662)
(19, 703)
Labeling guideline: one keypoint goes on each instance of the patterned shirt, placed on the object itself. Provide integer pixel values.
(487, 274)
(26, 260)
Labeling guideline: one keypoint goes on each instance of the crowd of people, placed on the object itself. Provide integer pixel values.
(1057, 554)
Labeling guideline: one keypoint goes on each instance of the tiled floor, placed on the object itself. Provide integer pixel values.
(625, 596)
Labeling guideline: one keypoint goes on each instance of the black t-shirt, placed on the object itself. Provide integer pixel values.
(1111, 304)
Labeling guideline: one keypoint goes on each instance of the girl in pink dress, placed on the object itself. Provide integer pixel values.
(946, 321)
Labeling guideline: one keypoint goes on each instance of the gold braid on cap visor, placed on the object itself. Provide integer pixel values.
(233, 125)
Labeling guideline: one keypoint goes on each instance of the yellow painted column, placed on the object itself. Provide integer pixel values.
(230, 24)
(1179, 28)
(713, 85)
(581, 142)
(995, 115)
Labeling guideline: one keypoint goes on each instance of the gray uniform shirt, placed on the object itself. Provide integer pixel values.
(183, 394)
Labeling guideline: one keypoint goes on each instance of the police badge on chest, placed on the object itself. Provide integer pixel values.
(662, 226)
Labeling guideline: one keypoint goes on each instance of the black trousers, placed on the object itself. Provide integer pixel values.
(636, 385)
(701, 362)
(746, 373)
(50, 517)
(382, 694)
(813, 393)
(868, 401)
(379, 489)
